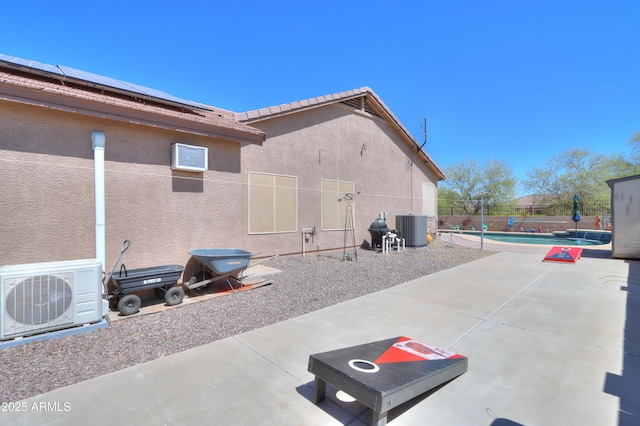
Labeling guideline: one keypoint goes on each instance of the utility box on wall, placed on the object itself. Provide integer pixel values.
(413, 228)
(189, 158)
(625, 217)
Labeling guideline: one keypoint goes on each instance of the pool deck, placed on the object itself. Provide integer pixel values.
(474, 241)
(547, 343)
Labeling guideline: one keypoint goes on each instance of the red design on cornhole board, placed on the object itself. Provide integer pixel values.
(403, 369)
(564, 254)
(406, 349)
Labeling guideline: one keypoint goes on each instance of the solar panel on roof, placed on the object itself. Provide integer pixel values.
(26, 63)
(98, 81)
(124, 86)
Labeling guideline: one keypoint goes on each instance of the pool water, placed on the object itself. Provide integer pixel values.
(579, 238)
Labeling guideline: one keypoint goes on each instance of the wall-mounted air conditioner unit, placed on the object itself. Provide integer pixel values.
(40, 297)
(189, 158)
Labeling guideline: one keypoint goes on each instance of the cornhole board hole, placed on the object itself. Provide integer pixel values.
(563, 254)
(385, 374)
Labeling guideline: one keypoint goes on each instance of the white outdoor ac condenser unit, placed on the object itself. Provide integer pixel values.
(40, 297)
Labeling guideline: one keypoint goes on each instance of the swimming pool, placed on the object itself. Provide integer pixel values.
(567, 238)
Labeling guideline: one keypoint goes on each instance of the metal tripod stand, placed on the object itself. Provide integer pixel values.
(349, 229)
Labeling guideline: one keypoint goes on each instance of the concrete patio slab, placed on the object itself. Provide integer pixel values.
(529, 378)
(548, 344)
(574, 304)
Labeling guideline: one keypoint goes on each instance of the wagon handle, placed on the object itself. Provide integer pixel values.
(123, 248)
(125, 270)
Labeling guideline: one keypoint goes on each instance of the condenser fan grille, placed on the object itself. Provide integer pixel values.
(39, 300)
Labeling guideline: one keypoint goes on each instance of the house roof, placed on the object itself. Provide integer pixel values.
(37, 86)
(84, 78)
(363, 98)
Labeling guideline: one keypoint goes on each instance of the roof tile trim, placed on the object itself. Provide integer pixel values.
(293, 106)
(216, 117)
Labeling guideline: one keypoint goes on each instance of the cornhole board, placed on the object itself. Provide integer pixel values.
(563, 254)
(384, 374)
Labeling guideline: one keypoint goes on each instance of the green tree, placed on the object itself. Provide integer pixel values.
(448, 200)
(471, 182)
(635, 148)
(576, 171)
(617, 165)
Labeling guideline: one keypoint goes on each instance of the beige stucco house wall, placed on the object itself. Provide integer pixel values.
(349, 137)
(47, 212)
(301, 151)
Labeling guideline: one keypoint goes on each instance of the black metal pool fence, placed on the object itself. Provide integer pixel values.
(458, 208)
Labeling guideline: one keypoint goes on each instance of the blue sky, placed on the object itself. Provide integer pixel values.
(518, 81)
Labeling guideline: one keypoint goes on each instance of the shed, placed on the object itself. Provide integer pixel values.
(625, 217)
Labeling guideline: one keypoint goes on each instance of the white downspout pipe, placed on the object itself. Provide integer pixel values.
(98, 140)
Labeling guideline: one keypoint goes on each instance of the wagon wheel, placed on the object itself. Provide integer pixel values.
(129, 304)
(174, 296)
(196, 278)
(113, 302)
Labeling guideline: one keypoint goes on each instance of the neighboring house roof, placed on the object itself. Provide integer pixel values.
(530, 200)
(363, 98)
(38, 86)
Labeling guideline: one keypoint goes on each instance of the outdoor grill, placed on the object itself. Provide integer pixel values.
(378, 229)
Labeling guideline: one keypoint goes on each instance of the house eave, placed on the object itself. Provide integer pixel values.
(75, 101)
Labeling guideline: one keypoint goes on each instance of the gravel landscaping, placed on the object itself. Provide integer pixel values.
(306, 284)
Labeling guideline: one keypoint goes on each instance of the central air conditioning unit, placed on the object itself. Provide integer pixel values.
(413, 228)
(189, 158)
(40, 297)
